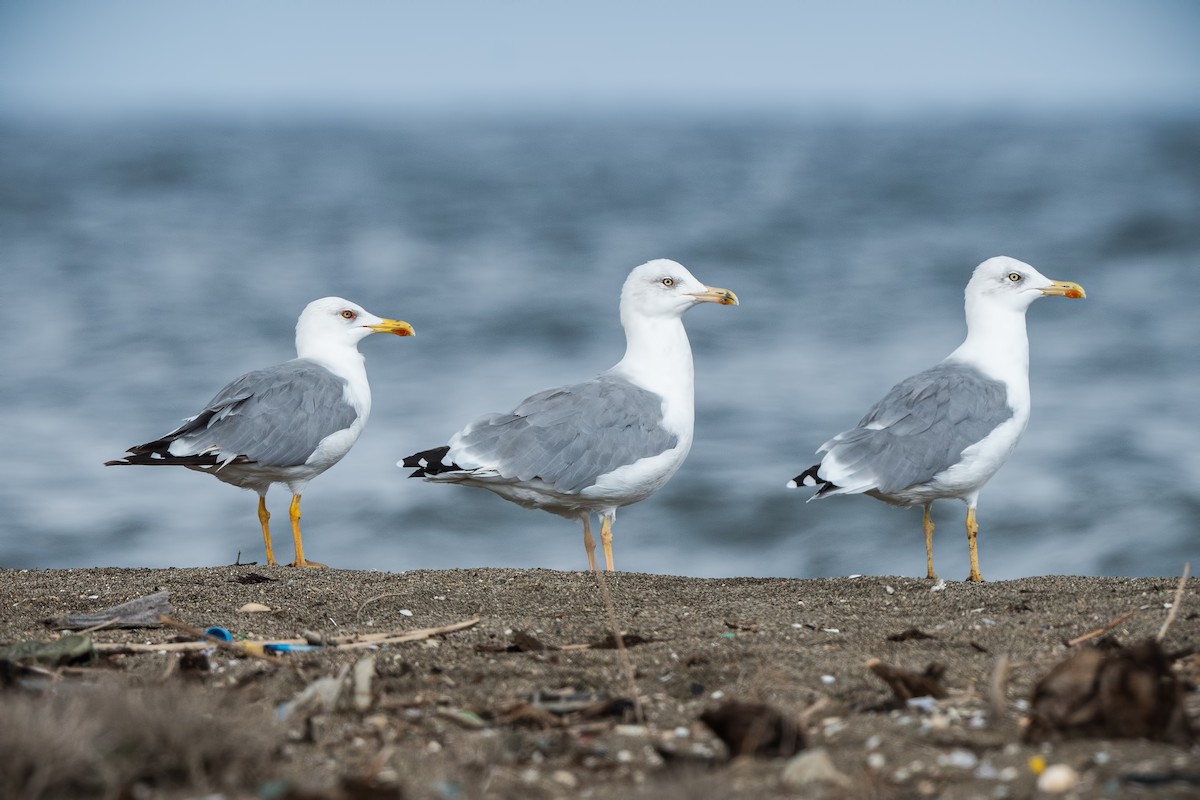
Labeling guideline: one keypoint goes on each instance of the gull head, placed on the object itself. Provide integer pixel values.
(665, 288)
(1006, 283)
(336, 322)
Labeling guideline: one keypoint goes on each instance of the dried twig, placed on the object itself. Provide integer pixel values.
(998, 689)
(1162, 632)
(348, 642)
(371, 639)
(622, 653)
(1101, 630)
(369, 600)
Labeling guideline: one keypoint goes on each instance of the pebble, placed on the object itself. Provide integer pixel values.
(926, 704)
(962, 759)
(1057, 779)
(812, 766)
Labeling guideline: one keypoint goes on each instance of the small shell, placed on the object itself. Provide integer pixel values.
(253, 608)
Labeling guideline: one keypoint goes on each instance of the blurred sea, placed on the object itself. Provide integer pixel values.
(148, 262)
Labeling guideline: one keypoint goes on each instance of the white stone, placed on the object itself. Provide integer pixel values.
(1057, 779)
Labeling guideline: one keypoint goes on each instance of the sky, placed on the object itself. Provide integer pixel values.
(136, 56)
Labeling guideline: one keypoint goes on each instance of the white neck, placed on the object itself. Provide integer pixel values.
(997, 344)
(658, 357)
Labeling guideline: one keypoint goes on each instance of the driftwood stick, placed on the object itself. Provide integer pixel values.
(622, 654)
(373, 639)
(997, 693)
(349, 642)
(1101, 630)
(1162, 632)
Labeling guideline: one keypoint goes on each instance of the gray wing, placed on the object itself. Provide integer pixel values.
(275, 416)
(922, 426)
(569, 436)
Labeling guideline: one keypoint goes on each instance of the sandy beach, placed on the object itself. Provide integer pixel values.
(527, 698)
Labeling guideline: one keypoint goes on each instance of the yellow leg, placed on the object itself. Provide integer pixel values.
(589, 543)
(264, 519)
(294, 514)
(927, 526)
(972, 532)
(606, 540)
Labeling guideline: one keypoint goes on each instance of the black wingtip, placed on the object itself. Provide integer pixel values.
(429, 462)
(810, 478)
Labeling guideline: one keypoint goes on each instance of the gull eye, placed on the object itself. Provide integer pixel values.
(668, 282)
(348, 314)
(1015, 277)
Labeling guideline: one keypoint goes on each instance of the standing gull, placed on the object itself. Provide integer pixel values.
(595, 446)
(944, 432)
(287, 423)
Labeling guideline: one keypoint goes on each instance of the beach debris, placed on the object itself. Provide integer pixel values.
(738, 625)
(907, 685)
(364, 673)
(286, 647)
(525, 642)
(462, 717)
(1110, 691)
(217, 632)
(521, 642)
(813, 766)
(251, 578)
(909, 635)
(1173, 608)
(196, 662)
(74, 648)
(1098, 632)
(258, 648)
(527, 715)
(528, 643)
(253, 608)
(319, 696)
(754, 729)
(610, 642)
(1163, 778)
(207, 640)
(383, 786)
(140, 612)
(579, 706)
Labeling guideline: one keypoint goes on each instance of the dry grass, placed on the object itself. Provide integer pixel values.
(102, 741)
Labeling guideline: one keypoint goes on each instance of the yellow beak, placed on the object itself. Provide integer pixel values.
(392, 326)
(712, 294)
(1065, 289)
